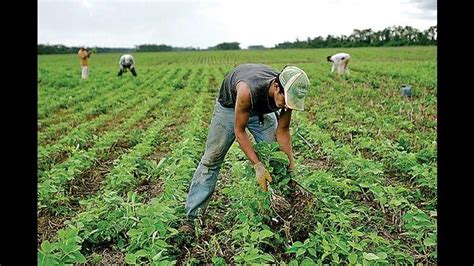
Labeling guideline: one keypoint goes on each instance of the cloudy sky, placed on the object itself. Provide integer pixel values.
(193, 23)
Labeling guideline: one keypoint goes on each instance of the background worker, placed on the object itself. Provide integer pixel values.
(127, 62)
(339, 62)
(84, 61)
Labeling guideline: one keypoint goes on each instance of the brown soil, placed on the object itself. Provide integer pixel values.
(109, 124)
(63, 155)
(48, 226)
(212, 223)
(112, 257)
(150, 189)
(92, 116)
(294, 213)
(316, 164)
(367, 154)
(55, 117)
(60, 157)
(89, 182)
(109, 256)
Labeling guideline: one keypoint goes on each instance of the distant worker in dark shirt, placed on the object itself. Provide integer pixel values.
(127, 62)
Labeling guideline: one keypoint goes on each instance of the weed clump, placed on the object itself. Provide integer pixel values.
(293, 206)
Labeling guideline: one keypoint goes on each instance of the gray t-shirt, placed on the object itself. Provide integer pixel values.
(258, 77)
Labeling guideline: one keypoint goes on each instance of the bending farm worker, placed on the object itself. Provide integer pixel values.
(84, 61)
(127, 62)
(339, 62)
(256, 97)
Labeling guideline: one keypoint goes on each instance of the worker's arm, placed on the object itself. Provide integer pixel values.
(345, 63)
(242, 114)
(283, 135)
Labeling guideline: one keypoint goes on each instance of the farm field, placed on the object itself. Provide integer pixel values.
(116, 157)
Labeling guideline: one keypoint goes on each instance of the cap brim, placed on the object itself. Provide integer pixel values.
(294, 104)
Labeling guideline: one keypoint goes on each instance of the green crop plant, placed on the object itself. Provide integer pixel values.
(116, 157)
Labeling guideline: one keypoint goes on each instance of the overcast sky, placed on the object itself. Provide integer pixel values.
(193, 23)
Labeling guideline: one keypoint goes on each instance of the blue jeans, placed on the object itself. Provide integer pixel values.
(219, 139)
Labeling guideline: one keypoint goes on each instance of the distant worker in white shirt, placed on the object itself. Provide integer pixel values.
(127, 62)
(339, 62)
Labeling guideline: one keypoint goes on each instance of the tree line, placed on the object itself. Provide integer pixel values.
(162, 48)
(390, 36)
(62, 49)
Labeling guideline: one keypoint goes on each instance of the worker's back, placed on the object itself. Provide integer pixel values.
(339, 62)
(340, 57)
(126, 60)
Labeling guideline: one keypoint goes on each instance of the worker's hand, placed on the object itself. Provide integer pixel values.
(262, 175)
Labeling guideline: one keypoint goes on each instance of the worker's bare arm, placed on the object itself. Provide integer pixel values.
(242, 114)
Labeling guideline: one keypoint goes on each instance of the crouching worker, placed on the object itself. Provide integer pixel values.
(249, 97)
(339, 62)
(127, 62)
